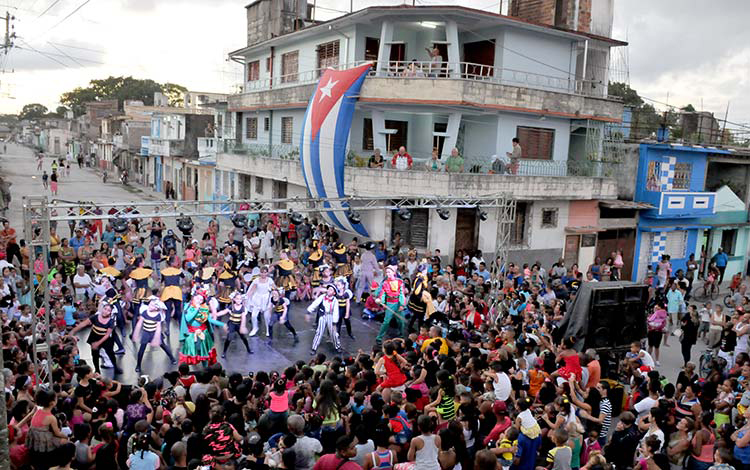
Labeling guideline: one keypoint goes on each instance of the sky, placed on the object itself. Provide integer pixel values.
(681, 51)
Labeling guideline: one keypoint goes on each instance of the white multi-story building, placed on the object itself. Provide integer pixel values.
(490, 78)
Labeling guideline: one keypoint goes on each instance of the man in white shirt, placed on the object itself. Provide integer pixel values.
(82, 283)
(265, 253)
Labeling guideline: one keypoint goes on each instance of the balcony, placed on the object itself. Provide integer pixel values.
(460, 84)
(119, 142)
(559, 179)
(681, 204)
(166, 148)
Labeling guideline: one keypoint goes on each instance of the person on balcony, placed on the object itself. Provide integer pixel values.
(434, 163)
(436, 61)
(515, 156)
(376, 161)
(413, 70)
(455, 163)
(402, 160)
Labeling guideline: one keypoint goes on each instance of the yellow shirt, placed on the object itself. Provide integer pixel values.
(443, 347)
(506, 444)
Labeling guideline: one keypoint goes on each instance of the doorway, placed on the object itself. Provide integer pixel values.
(572, 243)
(466, 230)
(480, 58)
(623, 239)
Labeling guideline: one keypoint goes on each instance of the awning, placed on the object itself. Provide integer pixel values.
(731, 226)
(618, 204)
(581, 229)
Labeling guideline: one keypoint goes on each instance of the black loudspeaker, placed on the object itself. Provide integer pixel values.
(617, 316)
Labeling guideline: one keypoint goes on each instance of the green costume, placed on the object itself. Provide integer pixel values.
(392, 296)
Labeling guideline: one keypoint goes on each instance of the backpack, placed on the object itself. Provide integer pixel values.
(401, 429)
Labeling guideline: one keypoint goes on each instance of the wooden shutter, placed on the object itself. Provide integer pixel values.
(251, 129)
(328, 55)
(286, 130)
(289, 67)
(415, 231)
(253, 71)
(536, 142)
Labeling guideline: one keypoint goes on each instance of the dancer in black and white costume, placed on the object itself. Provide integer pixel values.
(258, 299)
(280, 314)
(236, 323)
(345, 298)
(150, 328)
(326, 307)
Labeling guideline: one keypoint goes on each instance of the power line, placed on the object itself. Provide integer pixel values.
(31, 48)
(78, 47)
(48, 8)
(69, 15)
(66, 55)
(62, 55)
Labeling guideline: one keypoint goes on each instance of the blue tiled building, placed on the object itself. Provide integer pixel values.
(671, 178)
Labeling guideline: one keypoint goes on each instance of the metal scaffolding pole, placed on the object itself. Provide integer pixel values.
(36, 221)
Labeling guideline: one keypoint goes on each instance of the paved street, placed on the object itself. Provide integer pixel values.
(19, 167)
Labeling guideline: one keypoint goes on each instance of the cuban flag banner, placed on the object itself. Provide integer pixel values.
(325, 133)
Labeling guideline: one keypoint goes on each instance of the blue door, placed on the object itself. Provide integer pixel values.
(157, 174)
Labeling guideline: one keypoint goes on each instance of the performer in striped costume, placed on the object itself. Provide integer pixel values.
(149, 329)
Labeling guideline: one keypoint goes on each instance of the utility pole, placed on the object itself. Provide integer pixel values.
(9, 36)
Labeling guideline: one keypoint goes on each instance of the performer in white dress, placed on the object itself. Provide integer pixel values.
(258, 298)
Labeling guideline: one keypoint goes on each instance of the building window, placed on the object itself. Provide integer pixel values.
(549, 217)
(367, 140)
(536, 142)
(682, 172)
(253, 71)
(286, 130)
(328, 56)
(289, 67)
(266, 124)
(728, 241)
(518, 229)
(251, 128)
(414, 231)
(259, 185)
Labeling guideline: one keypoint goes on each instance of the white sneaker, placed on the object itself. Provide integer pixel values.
(658, 364)
(254, 331)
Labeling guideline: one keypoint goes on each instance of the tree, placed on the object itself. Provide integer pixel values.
(33, 111)
(122, 89)
(688, 109)
(174, 93)
(629, 96)
(61, 110)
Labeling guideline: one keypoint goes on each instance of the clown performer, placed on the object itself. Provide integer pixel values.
(368, 269)
(258, 297)
(285, 273)
(280, 314)
(326, 308)
(171, 295)
(236, 324)
(196, 331)
(345, 299)
(148, 329)
(393, 298)
(102, 325)
(418, 296)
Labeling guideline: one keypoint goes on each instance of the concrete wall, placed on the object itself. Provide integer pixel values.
(628, 172)
(544, 55)
(446, 93)
(547, 237)
(733, 175)
(376, 182)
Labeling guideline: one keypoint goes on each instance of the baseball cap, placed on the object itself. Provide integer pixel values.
(499, 407)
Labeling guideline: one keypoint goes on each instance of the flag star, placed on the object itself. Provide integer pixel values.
(326, 90)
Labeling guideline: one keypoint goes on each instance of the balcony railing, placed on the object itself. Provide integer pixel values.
(472, 164)
(444, 71)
